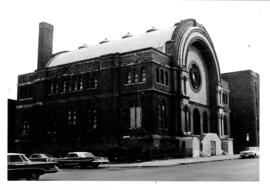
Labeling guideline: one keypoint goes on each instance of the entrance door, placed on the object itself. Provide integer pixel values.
(196, 122)
(213, 148)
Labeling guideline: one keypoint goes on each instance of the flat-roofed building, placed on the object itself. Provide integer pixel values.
(245, 107)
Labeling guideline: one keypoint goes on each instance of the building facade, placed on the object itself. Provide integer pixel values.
(11, 107)
(163, 85)
(245, 107)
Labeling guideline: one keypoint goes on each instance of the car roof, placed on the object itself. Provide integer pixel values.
(82, 154)
(78, 152)
(15, 154)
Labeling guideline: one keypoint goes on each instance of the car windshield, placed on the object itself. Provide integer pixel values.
(88, 154)
(72, 155)
(44, 156)
(14, 158)
(17, 158)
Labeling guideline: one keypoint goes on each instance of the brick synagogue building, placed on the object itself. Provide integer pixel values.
(159, 87)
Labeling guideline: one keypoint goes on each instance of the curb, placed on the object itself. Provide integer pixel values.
(180, 162)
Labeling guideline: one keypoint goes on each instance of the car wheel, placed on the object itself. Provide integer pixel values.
(33, 176)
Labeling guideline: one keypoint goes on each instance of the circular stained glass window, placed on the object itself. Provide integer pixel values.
(195, 76)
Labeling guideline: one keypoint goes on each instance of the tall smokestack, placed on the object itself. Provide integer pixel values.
(45, 44)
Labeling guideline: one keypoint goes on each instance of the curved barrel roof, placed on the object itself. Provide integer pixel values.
(155, 39)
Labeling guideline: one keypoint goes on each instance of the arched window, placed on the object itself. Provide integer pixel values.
(136, 76)
(143, 75)
(225, 125)
(52, 87)
(219, 96)
(225, 98)
(94, 119)
(205, 122)
(64, 85)
(129, 77)
(187, 119)
(56, 87)
(94, 81)
(162, 76)
(166, 78)
(81, 83)
(157, 75)
(135, 113)
(162, 116)
(75, 84)
(69, 85)
(196, 122)
(89, 81)
(185, 85)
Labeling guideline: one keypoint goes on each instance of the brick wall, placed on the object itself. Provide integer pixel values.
(243, 108)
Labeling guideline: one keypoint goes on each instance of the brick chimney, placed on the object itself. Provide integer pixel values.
(45, 44)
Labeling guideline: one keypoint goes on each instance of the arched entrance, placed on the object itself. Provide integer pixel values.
(225, 125)
(205, 122)
(196, 122)
(196, 48)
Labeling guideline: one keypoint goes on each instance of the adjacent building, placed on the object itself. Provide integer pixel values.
(159, 86)
(11, 120)
(245, 107)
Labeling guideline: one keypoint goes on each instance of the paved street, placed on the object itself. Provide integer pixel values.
(227, 170)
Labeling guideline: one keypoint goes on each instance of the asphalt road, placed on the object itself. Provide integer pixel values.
(228, 170)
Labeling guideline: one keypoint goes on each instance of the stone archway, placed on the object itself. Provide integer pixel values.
(205, 122)
(196, 39)
(196, 122)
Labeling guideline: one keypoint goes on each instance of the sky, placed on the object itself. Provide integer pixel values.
(239, 30)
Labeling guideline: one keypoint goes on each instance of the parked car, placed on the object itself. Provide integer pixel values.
(81, 159)
(250, 152)
(20, 167)
(41, 157)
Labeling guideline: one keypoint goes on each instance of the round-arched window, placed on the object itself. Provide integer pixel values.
(195, 76)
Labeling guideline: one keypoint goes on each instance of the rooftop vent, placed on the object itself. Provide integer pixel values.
(104, 41)
(151, 29)
(127, 35)
(83, 46)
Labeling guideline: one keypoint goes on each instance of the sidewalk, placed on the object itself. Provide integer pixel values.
(172, 162)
